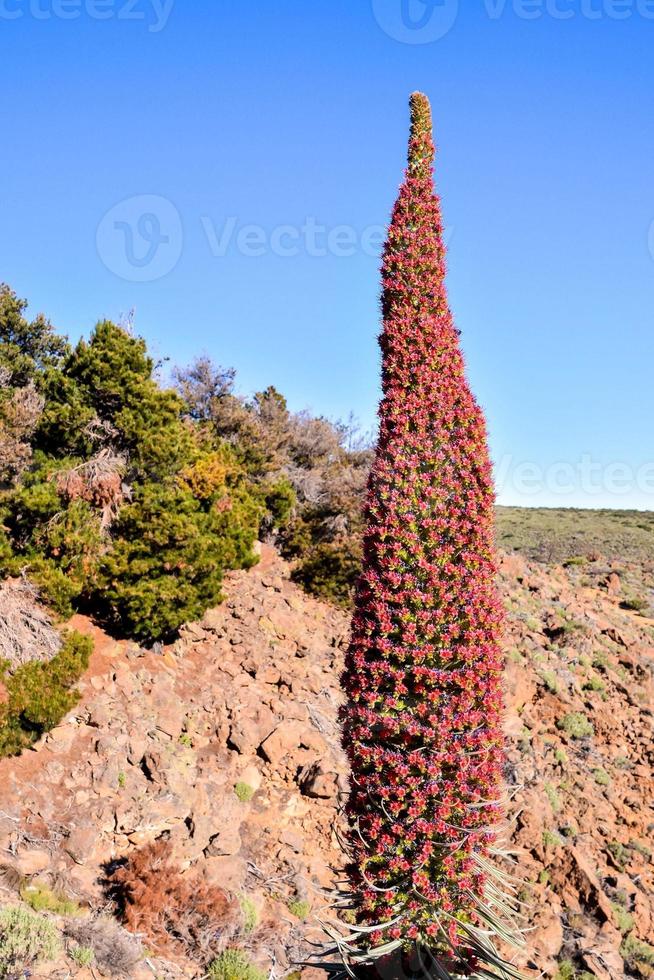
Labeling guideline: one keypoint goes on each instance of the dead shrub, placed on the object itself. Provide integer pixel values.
(26, 632)
(177, 914)
(116, 952)
(20, 410)
(98, 481)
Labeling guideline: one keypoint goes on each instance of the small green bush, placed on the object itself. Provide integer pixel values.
(165, 567)
(41, 898)
(82, 955)
(635, 604)
(299, 908)
(244, 792)
(576, 725)
(250, 914)
(25, 939)
(552, 796)
(595, 683)
(623, 919)
(40, 693)
(234, 965)
(619, 852)
(552, 839)
(550, 680)
(328, 569)
(602, 777)
(637, 953)
(601, 659)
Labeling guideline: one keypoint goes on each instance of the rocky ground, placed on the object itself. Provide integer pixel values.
(226, 743)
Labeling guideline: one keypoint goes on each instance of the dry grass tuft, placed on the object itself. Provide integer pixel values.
(116, 952)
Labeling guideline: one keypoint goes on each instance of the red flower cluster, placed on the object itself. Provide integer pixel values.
(422, 677)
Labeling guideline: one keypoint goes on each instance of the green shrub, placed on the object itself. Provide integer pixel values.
(82, 955)
(552, 839)
(328, 569)
(552, 796)
(602, 777)
(299, 908)
(42, 898)
(595, 683)
(623, 919)
(550, 680)
(576, 725)
(635, 604)
(280, 500)
(250, 914)
(25, 939)
(637, 953)
(575, 560)
(234, 965)
(26, 348)
(566, 971)
(128, 511)
(166, 564)
(640, 848)
(619, 852)
(244, 792)
(40, 693)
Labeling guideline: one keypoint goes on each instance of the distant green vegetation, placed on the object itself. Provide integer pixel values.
(571, 534)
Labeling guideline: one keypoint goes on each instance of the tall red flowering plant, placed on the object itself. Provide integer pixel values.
(422, 719)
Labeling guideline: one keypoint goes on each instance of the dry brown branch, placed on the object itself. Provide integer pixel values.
(99, 481)
(20, 410)
(26, 631)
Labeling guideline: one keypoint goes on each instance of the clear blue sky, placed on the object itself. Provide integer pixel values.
(271, 113)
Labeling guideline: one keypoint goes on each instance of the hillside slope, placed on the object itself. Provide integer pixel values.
(226, 743)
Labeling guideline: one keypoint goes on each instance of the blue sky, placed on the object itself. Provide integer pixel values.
(224, 169)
